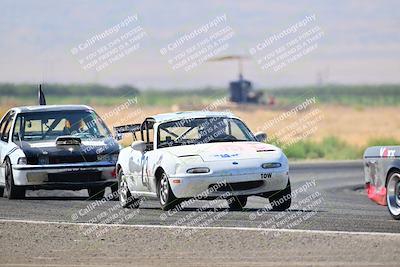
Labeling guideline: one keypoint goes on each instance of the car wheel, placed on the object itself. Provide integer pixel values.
(11, 190)
(237, 202)
(393, 195)
(96, 193)
(281, 200)
(125, 197)
(165, 194)
(1, 191)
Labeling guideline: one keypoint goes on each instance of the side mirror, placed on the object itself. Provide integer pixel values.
(260, 136)
(139, 146)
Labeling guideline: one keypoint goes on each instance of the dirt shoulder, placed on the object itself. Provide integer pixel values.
(67, 245)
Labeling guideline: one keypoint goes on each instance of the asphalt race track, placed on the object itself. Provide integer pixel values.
(343, 207)
(330, 213)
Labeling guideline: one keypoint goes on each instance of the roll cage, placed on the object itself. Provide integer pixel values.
(144, 128)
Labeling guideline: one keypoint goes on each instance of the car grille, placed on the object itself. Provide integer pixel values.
(62, 159)
(238, 186)
(74, 177)
(72, 159)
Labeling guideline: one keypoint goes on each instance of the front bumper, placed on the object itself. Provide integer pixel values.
(72, 176)
(198, 185)
(377, 195)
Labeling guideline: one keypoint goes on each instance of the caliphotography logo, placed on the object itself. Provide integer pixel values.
(214, 133)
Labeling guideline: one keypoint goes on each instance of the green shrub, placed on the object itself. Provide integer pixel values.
(383, 142)
(330, 148)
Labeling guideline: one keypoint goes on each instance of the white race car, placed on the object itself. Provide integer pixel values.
(202, 155)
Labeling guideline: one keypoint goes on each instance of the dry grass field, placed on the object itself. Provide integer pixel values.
(353, 125)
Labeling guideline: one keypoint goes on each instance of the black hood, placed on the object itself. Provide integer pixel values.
(87, 151)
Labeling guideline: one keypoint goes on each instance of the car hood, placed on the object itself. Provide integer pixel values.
(92, 147)
(226, 151)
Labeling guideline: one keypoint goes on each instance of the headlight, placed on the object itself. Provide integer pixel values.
(271, 165)
(108, 157)
(114, 157)
(102, 157)
(22, 161)
(198, 170)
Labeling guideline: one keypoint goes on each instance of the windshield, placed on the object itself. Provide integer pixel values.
(49, 125)
(202, 130)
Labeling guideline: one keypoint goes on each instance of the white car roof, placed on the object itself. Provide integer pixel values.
(190, 115)
(44, 108)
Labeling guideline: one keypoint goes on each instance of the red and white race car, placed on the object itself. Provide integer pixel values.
(382, 176)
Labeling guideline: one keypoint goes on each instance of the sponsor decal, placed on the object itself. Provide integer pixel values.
(224, 156)
(265, 176)
(387, 153)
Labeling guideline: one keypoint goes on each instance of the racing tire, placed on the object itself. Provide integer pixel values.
(237, 203)
(166, 196)
(281, 200)
(12, 191)
(125, 197)
(96, 193)
(393, 194)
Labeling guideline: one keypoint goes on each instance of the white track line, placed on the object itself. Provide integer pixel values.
(208, 228)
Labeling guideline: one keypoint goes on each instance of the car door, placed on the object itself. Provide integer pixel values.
(135, 170)
(5, 130)
(138, 162)
(148, 138)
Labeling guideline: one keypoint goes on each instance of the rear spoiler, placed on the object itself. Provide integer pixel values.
(129, 128)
